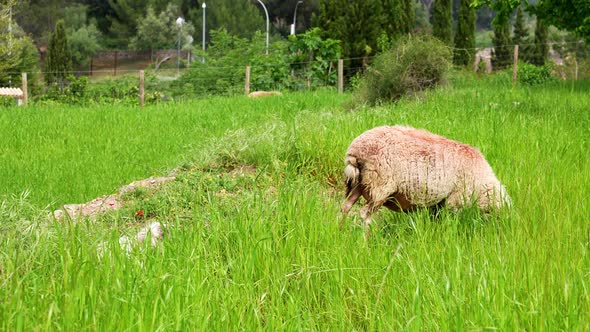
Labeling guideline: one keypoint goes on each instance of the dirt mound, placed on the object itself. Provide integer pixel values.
(108, 202)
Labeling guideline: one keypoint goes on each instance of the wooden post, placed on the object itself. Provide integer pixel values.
(576, 69)
(141, 88)
(25, 90)
(340, 75)
(515, 65)
(247, 85)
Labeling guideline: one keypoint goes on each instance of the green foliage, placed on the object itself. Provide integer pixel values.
(398, 17)
(83, 37)
(161, 31)
(573, 15)
(120, 90)
(125, 19)
(442, 21)
(503, 9)
(18, 53)
(238, 18)
(540, 51)
(59, 58)
(413, 65)
(357, 24)
(534, 75)
(421, 18)
(465, 36)
(502, 54)
(84, 43)
(521, 33)
(314, 57)
(305, 61)
(225, 63)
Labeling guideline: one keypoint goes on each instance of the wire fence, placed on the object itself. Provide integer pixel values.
(180, 74)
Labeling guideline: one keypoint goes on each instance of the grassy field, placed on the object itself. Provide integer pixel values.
(253, 217)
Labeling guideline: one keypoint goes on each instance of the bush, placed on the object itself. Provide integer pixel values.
(534, 75)
(414, 64)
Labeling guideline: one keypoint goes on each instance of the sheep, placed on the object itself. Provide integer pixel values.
(257, 94)
(403, 168)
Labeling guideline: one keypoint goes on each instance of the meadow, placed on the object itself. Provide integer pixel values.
(253, 217)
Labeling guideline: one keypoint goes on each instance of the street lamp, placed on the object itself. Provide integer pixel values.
(179, 22)
(204, 10)
(267, 24)
(294, 26)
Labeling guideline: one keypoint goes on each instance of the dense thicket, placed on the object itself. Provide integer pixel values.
(416, 63)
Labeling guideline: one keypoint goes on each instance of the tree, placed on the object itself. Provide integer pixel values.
(124, 23)
(38, 17)
(315, 56)
(18, 54)
(83, 37)
(398, 17)
(59, 59)
(521, 36)
(540, 50)
(421, 17)
(161, 31)
(356, 24)
(520, 31)
(281, 13)
(502, 53)
(239, 18)
(465, 36)
(442, 21)
(572, 15)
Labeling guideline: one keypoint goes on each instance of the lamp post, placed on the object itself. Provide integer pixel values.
(295, 18)
(267, 23)
(179, 22)
(204, 10)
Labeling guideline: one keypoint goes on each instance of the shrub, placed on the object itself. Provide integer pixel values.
(414, 64)
(534, 75)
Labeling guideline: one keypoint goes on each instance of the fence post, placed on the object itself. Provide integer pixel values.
(515, 65)
(340, 75)
(141, 88)
(247, 85)
(25, 89)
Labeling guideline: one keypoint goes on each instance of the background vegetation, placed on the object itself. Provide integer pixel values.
(361, 29)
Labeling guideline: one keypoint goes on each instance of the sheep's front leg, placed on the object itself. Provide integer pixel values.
(366, 213)
(352, 198)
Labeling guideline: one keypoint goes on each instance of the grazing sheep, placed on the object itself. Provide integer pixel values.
(257, 94)
(403, 168)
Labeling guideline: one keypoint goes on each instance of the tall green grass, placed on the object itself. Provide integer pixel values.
(261, 249)
(71, 154)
